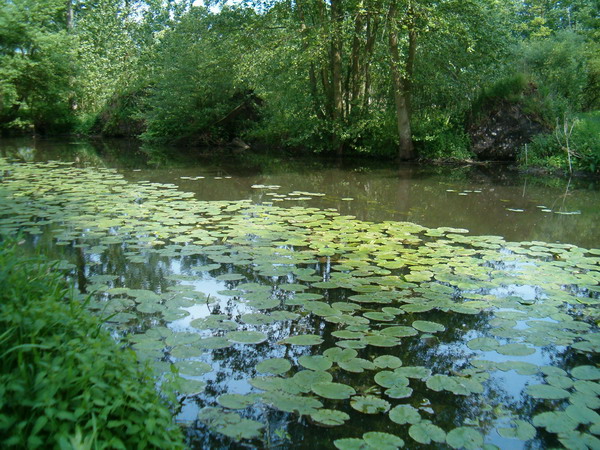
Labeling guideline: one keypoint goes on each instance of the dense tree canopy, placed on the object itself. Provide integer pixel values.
(395, 77)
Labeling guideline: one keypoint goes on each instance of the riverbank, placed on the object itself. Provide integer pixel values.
(65, 383)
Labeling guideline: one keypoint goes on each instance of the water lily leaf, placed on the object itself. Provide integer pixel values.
(236, 401)
(291, 403)
(230, 277)
(189, 387)
(214, 322)
(546, 391)
(483, 344)
(387, 362)
(522, 430)
(292, 287)
(464, 437)
(575, 440)
(350, 444)
(515, 350)
(213, 343)
(383, 441)
(317, 362)
(581, 414)
(426, 432)
(332, 390)
(390, 379)
(256, 319)
(403, 414)
(586, 373)
(302, 340)
(369, 404)
(356, 365)
(246, 337)
(329, 417)
(305, 379)
(338, 355)
(399, 331)
(345, 334)
(555, 421)
(428, 327)
(193, 368)
(418, 372)
(399, 392)
(559, 381)
(276, 366)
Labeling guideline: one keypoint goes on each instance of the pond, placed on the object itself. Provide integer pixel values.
(314, 304)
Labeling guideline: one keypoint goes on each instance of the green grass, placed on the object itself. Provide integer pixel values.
(64, 382)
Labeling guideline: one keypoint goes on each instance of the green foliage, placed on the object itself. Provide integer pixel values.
(36, 63)
(195, 95)
(64, 382)
(564, 68)
(550, 150)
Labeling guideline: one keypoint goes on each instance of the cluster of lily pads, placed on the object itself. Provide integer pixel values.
(327, 318)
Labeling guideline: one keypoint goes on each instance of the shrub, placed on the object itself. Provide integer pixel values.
(64, 382)
(550, 150)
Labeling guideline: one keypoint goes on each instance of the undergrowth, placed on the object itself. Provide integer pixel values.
(64, 381)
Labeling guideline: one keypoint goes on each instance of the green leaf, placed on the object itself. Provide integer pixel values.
(329, 417)
(369, 404)
(276, 366)
(337, 391)
(403, 414)
(426, 432)
(464, 437)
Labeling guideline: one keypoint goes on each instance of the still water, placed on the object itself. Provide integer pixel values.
(486, 200)
(311, 303)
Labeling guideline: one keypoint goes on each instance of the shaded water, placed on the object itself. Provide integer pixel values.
(163, 263)
(485, 200)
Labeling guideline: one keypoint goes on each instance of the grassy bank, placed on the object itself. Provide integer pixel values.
(64, 382)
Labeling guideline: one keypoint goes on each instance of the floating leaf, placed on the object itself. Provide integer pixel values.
(586, 373)
(302, 340)
(522, 430)
(329, 417)
(426, 432)
(515, 350)
(317, 362)
(428, 327)
(464, 437)
(246, 337)
(369, 404)
(546, 391)
(390, 379)
(276, 366)
(236, 401)
(382, 441)
(403, 414)
(331, 390)
(555, 421)
(387, 362)
(351, 444)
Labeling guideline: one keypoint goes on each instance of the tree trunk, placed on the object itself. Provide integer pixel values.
(406, 149)
(336, 71)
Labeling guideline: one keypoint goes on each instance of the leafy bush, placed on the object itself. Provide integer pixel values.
(550, 150)
(64, 382)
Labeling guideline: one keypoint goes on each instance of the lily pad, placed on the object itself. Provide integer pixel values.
(522, 430)
(387, 362)
(329, 417)
(276, 366)
(236, 401)
(383, 441)
(302, 340)
(546, 391)
(427, 326)
(246, 337)
(464, 437)
(586, 373)
(337, 391)
(403, 414)
(317, 362)
(369, 404)
(426, 433)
